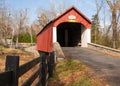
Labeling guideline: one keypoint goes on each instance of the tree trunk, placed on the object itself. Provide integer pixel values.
(114, 27)
(113, 7)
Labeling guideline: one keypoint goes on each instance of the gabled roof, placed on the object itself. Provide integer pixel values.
(58, 17)
(68, 10)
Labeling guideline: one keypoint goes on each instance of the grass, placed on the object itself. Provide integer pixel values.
(73, 73)
(24, 56)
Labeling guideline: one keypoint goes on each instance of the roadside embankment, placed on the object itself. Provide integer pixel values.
(104, 49)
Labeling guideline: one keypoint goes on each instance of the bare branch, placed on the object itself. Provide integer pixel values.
(98, 6)
(110, 4)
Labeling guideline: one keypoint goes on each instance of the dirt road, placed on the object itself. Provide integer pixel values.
(104, 66)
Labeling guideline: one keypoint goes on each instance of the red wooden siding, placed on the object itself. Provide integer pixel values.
(45, 40)
(80, 18)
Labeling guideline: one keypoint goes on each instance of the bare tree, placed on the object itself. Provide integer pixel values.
(5, 22)
(114, 4)
(95, 22)
(43, 18)
(20, 19)
(118, 24)
(46, 16)
(35, 28)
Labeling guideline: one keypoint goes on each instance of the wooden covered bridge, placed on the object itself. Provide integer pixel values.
(71, 28)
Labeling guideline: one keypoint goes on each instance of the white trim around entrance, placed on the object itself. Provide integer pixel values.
(54, 34)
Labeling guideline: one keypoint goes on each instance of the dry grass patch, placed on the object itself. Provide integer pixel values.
(73, 73)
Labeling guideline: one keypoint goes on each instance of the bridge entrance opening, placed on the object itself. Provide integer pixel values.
(69, 34)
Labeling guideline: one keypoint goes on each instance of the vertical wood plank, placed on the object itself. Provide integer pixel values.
(51, 64)
(43, 68)
(12, 64)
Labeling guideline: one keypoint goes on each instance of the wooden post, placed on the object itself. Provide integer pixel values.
(43, 68)
(51, 64)
(12, 64)
(66, 37)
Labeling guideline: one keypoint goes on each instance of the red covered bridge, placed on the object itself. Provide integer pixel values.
(69, 29)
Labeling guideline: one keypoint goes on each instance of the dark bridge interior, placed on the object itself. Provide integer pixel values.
(69, 34)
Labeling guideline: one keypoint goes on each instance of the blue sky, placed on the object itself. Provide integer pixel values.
(87, 7)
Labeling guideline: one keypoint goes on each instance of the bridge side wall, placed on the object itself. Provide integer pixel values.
(104, 49)
(85, 37)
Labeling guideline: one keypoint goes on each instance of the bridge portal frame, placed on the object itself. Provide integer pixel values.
(48, 35)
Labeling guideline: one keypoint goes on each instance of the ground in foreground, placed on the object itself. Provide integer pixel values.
(73, 73)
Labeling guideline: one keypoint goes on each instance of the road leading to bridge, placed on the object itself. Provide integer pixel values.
(104, 66)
